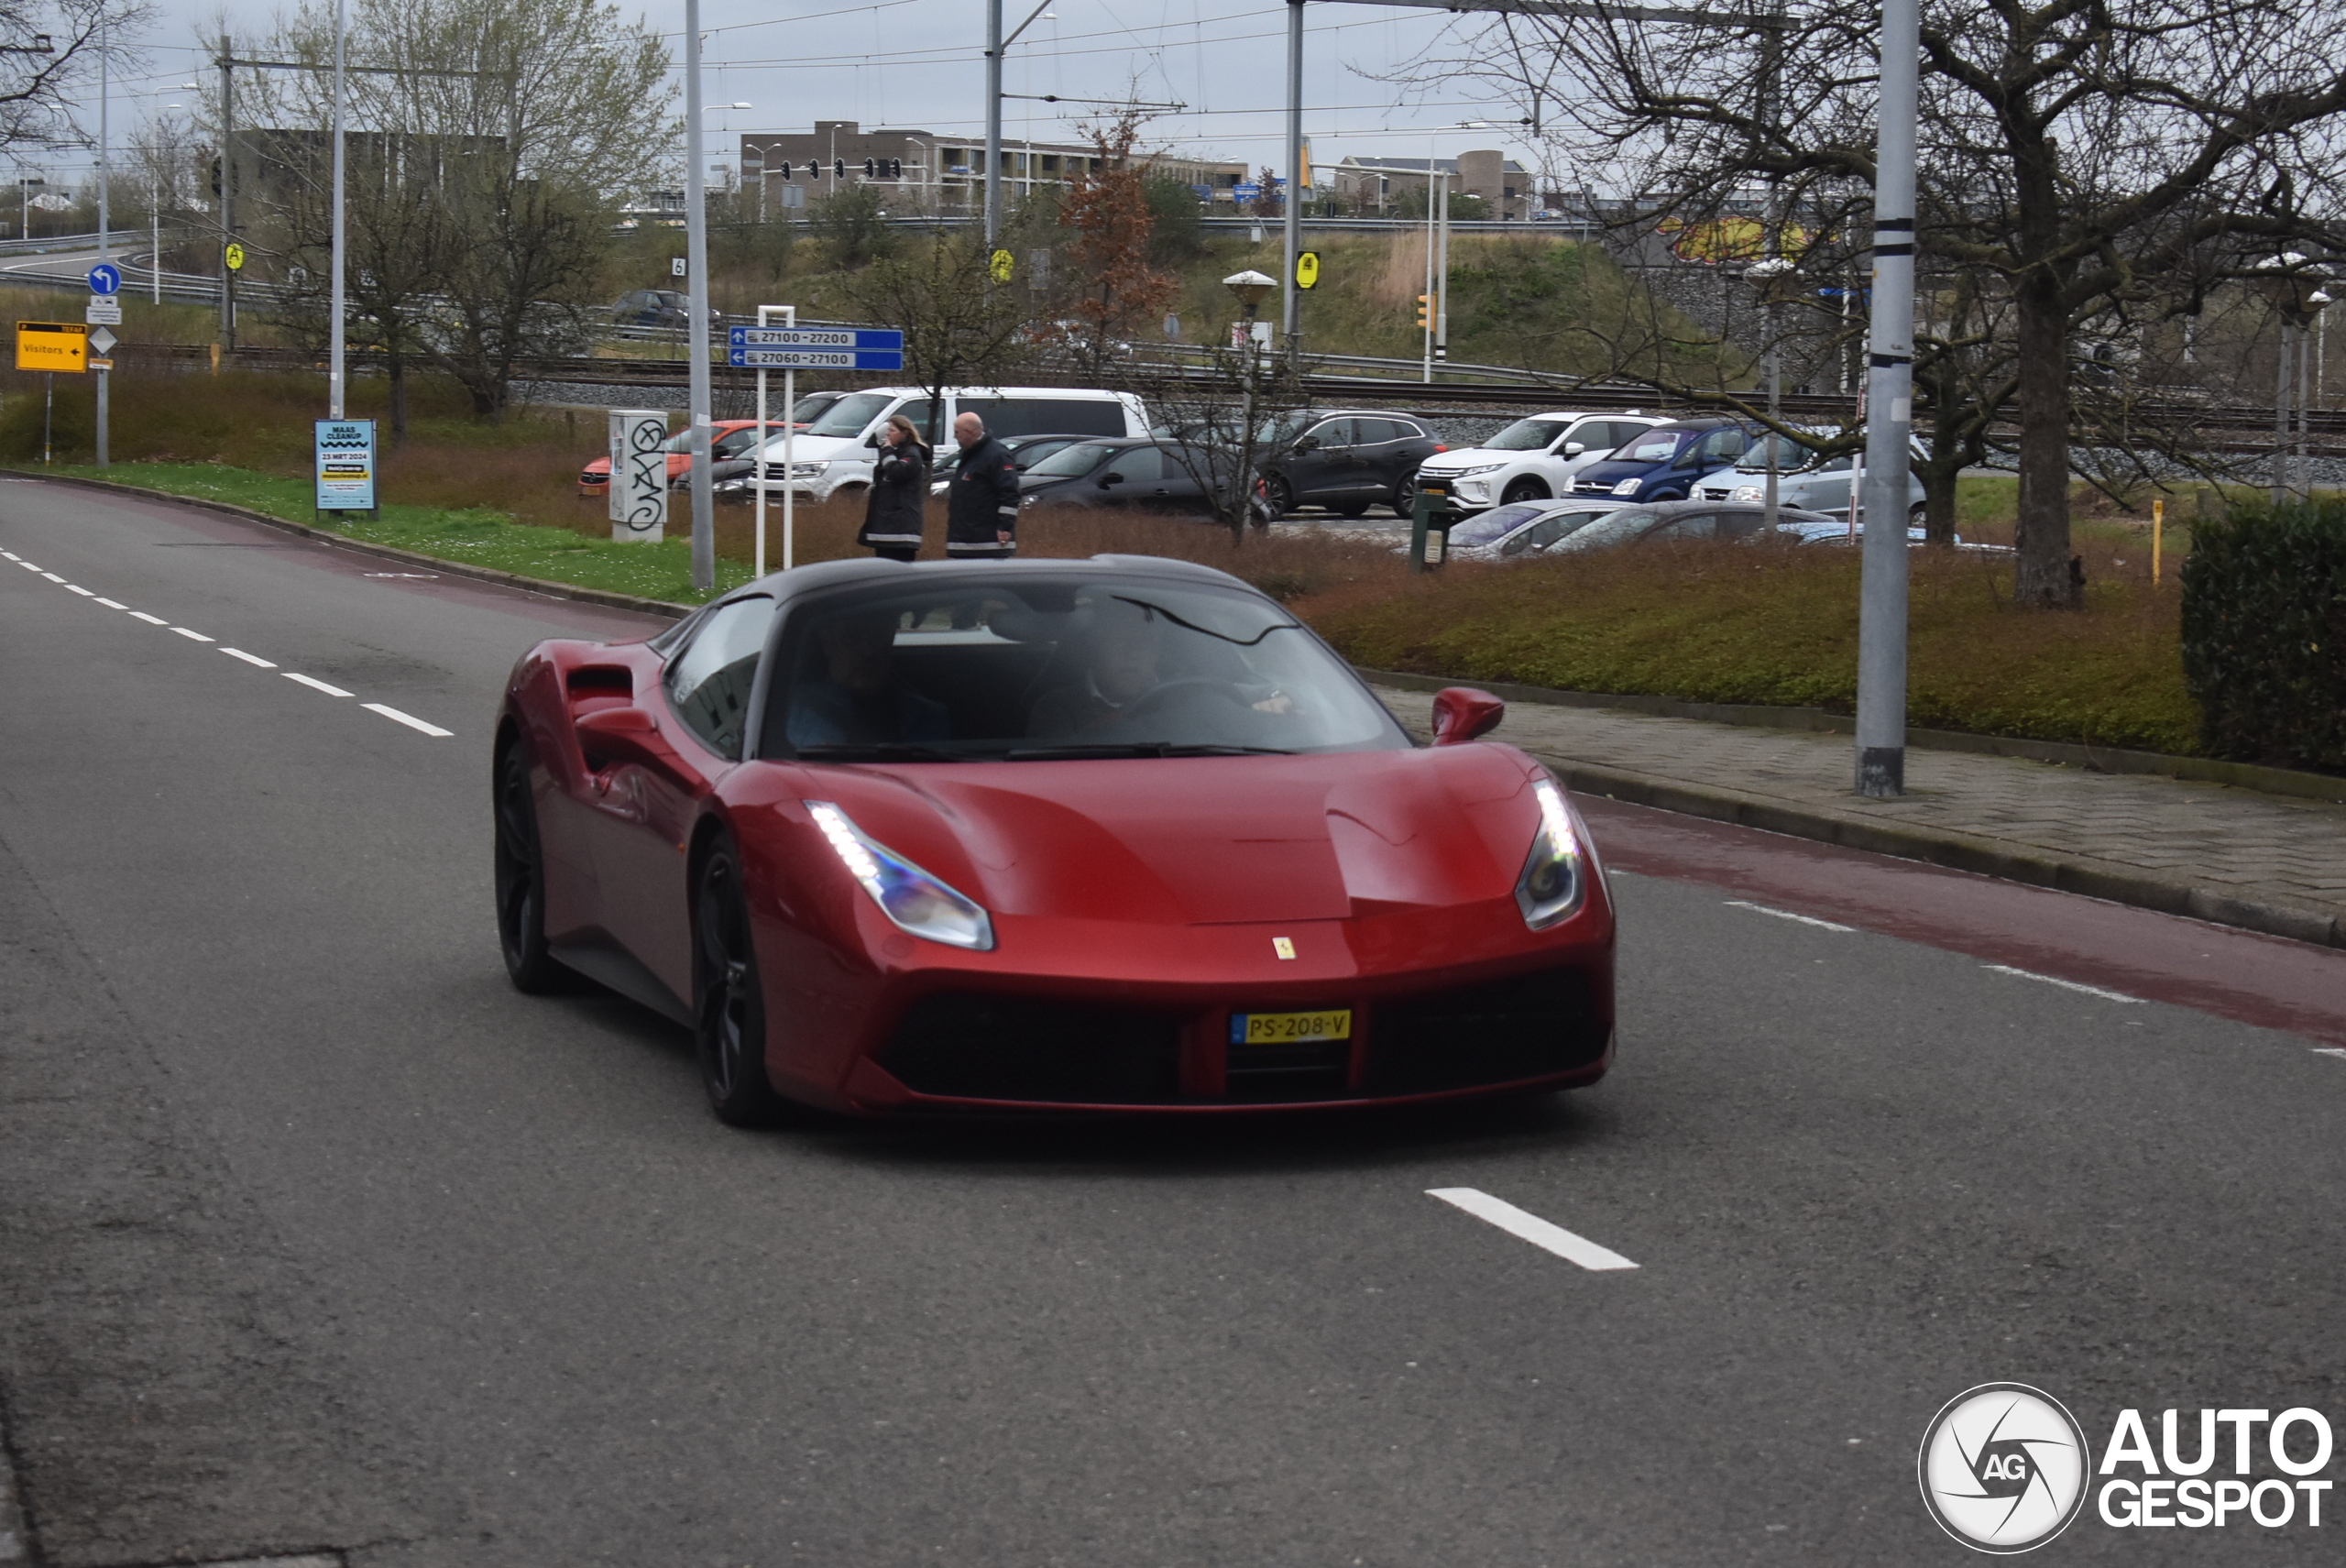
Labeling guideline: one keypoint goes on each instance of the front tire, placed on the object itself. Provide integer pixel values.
(729, 999)
(1405, 497)
(520, 881)
(1524, 491)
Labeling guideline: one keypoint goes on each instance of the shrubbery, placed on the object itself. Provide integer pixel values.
(2265, 634)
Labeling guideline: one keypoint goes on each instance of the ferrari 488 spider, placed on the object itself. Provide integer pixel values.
(1104, 834)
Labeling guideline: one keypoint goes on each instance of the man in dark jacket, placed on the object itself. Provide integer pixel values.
(981, 504)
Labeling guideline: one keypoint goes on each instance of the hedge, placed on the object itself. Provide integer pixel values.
(2265, 634)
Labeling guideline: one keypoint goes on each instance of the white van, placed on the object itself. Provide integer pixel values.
(834, 451)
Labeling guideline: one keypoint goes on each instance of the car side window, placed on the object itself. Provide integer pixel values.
(1547, 531)
(1722, 445)
(1139, 464)
(1740, 524)
(708, 684)
(1332, 432)
(1695, 525)
(1377, 431)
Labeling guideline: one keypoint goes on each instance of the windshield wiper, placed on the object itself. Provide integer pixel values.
(876, 751)
(1136, 749)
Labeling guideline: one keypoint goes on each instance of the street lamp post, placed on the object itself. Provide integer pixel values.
(696, 306)
(2297, 297)
(1771, 273)
(106, 224)
(336, 364)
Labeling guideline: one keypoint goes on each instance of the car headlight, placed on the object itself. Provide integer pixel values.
(916, 900)
(1628, 486)
(1477, 469)
(1748, 493)
(1551, 885)
(808, 470)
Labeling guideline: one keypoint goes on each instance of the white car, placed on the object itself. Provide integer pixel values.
(1533, 459)
(834, 451)
(1802, 479)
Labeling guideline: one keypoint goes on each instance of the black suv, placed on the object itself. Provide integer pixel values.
(1346, 460)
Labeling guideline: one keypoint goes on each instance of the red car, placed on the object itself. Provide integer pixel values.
(729, 438)
(1114, 834)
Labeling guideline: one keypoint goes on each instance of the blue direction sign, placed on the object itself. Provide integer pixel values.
(106, 279)
(815, 348)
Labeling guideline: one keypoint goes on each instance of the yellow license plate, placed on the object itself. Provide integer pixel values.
(1289, 1028)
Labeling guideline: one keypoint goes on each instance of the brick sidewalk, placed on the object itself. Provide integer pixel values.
(2235, 856)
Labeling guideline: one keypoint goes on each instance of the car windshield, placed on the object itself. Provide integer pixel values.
(1653, 446)
(1070, 463)
(850, 414)
(1286, 428)
(1790, 455)
(1613, 528)
(1527, 435)
(999, 667)
(1489, 527)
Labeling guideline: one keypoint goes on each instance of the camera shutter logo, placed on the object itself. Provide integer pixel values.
(2005, 1467)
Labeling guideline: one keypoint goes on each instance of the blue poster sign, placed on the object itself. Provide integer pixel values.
(1245, 193)
(106, 279)
(346, 464)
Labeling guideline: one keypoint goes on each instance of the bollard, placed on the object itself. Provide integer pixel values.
(2158, 533)
(1431, 516)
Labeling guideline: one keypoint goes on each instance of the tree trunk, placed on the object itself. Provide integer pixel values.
(2045, 580)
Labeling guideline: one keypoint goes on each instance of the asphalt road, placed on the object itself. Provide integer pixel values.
(316, 1237)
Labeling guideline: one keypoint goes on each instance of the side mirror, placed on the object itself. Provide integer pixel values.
(1462, 714)
(625, 735)
(1306, 443)
(1108, 479)
(1574, 448)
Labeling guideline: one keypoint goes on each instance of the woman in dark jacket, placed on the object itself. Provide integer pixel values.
(894, 516)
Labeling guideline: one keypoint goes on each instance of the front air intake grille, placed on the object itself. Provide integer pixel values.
(1529, 1026)
(969, 1045)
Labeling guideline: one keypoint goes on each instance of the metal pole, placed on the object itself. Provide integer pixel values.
(993, 122)
(1291, 298)
(106, 221)
(1881, 612)
(2281, 420)
(155, 261)
(789, 450)
(697, 306)
(1441, 281)
(2304, 413)
(227, 190)
(1769, 510)
(337, 367)
(1429, 294)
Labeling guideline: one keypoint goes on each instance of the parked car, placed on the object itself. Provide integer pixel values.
(1534, 458)
(1026, 451)
(1345, 459)
(654, 307)
(1835, 531)
(1678, 523)
(1666, 462)
(835, 453)
(1138, 475)
(729, 438)
(1803, 479)
(1526, 528)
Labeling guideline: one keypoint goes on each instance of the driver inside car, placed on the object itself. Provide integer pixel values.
(859, 698)
(1125, 663)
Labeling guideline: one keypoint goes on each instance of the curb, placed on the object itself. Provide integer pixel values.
(540, 585)
(1764, 716)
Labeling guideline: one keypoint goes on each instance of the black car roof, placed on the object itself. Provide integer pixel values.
(823, 577)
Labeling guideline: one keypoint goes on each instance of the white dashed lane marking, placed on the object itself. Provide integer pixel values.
(410, 721)
(1787, 914)
(421, 726)
(2329, 1051)
(1530, 1227)
(2075, 986)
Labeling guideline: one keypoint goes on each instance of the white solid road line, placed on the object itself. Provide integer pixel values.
(111, 605)
(410, 721)
(2064, 984)
(199, 636)
(1531, 1228)
(1787, 914)
(316, 685)
(252, 659)
(149, 619)
(2329, 1051)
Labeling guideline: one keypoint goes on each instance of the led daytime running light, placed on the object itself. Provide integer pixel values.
(1552, 885)
(918, 903)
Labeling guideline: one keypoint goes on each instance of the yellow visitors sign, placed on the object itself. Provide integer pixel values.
(52, 346)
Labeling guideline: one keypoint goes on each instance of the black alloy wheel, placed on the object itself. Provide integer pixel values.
(1278, 495)
(1352, 509)
(728, 1003)
(520, 881)
(1524, 490)
(1404, 496)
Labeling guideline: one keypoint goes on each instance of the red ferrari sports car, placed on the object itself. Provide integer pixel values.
(1113, 834)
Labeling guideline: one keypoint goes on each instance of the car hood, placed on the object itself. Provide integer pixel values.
(818, 449)
(1208, 840)
(1459, 457)
(1612, 471)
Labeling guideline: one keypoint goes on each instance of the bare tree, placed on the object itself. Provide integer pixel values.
(1222, 420)
(961, 327)
(2082, 161)
(37, 92)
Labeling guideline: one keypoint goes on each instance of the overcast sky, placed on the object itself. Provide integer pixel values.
(919, 64)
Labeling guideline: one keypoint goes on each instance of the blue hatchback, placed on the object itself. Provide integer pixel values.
(1666, 462)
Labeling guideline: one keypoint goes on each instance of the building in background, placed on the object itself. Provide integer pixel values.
(1374, 184)
(928, 172)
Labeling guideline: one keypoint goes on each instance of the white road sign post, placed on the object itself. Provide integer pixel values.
(788, 315)
(638, 486)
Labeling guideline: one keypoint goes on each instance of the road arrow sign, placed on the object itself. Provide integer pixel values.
(106, 279)
(103, 342)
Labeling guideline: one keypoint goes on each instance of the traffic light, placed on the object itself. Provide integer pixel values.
(786, 168)
(871, 168)
(896, 169)
(838, 168)
(1425, 311)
